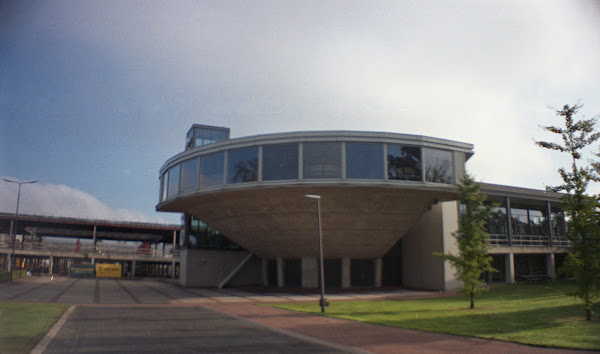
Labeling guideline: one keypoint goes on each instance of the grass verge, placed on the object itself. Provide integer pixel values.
(22, 326)
(531, 314)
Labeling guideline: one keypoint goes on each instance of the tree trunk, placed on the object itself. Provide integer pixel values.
(588, 314)
(472, 300)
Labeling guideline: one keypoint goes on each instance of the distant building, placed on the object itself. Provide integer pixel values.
(388, 201)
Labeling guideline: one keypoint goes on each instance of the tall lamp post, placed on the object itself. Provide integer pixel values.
(13, 226)
(322, 300)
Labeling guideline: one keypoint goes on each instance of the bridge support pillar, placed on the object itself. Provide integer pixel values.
(133, 269)
(9, 257)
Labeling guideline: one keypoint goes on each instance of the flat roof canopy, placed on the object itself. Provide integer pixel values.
(84, 228)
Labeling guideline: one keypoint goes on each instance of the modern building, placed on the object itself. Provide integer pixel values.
(387, 202)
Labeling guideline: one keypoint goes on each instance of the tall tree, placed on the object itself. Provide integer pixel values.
(471, 236)
(581, 209)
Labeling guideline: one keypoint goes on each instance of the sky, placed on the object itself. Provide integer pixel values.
(96, 96)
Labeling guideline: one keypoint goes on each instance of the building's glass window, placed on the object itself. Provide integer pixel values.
(497, 221)
(519, 222)
(189, 175)
(404, 162)
(165, 181)
(211, 169)
(322, 160)
(529, 221)
(558, 223)
(279, 162)
(200, 235)
(537, 223)
(438, 165)
(242, 165)
(173, 189)
(364, 160)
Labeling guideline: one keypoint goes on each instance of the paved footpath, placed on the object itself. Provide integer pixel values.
(149, 316)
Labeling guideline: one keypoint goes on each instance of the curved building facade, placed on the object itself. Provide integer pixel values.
(374, 188)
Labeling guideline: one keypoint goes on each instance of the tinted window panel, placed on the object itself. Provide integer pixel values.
(173, 181)
(211, 169)
(322, 160)
(189, 175)
(438, 166)
(242, 165)
(404, 162)
(280, 162)
(165, 179)
(364, 160)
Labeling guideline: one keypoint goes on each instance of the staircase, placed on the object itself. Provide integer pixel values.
(232, 269)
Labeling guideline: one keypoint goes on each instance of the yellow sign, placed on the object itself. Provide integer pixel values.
(108, 270)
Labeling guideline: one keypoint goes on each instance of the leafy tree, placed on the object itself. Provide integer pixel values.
(581, 209)
(471, 236)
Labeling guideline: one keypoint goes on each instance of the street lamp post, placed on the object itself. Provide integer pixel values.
(13, 225)
(322, 300)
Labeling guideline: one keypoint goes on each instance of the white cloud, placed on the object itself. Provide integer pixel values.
(65, 201)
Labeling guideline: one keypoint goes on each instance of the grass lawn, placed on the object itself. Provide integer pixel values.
(533, 314)
(22, 326)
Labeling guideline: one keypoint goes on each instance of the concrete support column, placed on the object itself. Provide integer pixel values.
(378, 270)
(172, 252)
(280, 273)
(550, 268)
(51, 264)
(133, 269)
(310, 272)
(345, 272)
(509, 266)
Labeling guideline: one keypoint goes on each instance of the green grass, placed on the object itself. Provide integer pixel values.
(22, 326)
(532, 314)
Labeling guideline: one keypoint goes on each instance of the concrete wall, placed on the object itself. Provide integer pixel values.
(432, 233)
(450, 225)
(250, 274)
(203, 267)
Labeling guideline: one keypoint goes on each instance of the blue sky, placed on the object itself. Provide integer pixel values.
(95, 96)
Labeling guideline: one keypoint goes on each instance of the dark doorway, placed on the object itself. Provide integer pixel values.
(362, 272)
(272, 272)
(333, 273)
(559, 259)
(293, 273)
(392, 266)
(530, 264)
(498, 264)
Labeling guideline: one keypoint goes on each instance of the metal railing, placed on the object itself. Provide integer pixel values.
(88, 250)
(528, 240)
